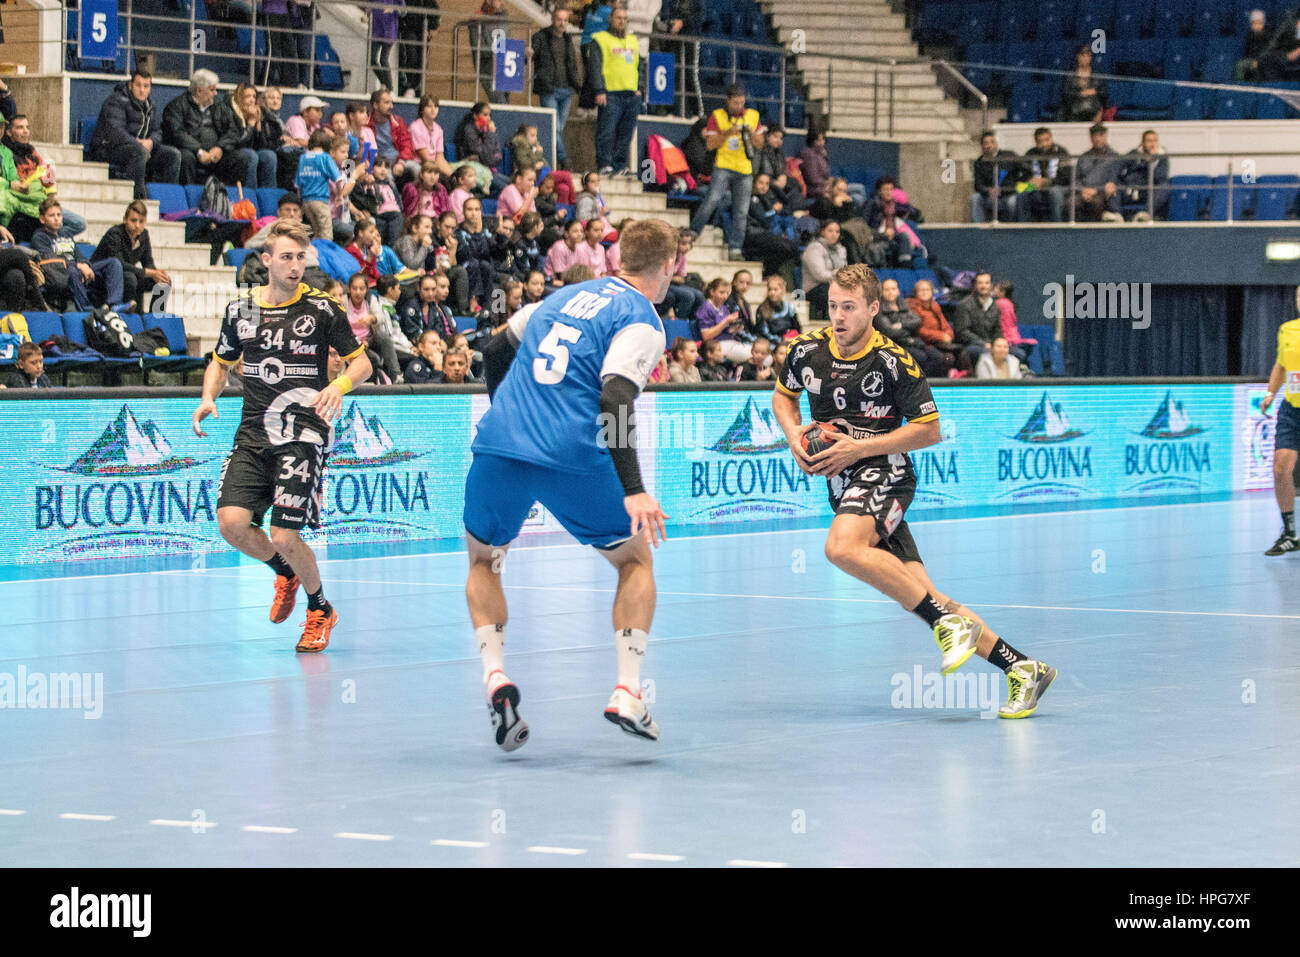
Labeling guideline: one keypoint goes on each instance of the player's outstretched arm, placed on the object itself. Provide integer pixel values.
(214, 380)
(617, 399)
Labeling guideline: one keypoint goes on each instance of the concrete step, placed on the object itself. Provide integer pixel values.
(815, 62)
(931, 95)
(867, 107)
(107, 191)
(857, 42)
(790, 19)
(61, 155)
(106, 211)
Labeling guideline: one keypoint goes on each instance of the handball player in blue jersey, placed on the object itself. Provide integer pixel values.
(563, 376)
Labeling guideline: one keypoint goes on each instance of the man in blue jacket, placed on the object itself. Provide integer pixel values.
(128, 136)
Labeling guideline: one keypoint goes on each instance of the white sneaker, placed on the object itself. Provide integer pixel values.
(1109, 217)
(629, 712)
(503, 706)
(957, 637)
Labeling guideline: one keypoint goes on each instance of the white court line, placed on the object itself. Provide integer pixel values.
(543, 849)
(6, 812)
(447, 842)
(269, 829)
(741, 862)
(165, 822)
(821, 598)
(71, 816)
(640, 856)
(539, 548)
(358, 836)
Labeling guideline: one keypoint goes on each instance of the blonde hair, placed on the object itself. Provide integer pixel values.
(858, 276)
(292, 229)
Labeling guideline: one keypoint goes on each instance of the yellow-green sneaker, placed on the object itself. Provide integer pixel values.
(1026, 682)
(957, 637)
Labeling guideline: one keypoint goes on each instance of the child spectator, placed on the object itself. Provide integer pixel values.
(660, 372)
(383, 303)
(714, 368)
(682, 368)
(426, 367)
(374, 258)
(517, 199)
(740, 283)
(758, 368)
(319, 181)
(427, 310)
(591, 205)
(547, 204)
(445, 246)
(525, 253)
(478, 251)
(378, 197)
(366, 328)
(427, 137)
(80, 276)
(779, 354)
(526, 151)
(415, 246)
(682, 299)
(590, 252)
(776, 317)
(128, 242)
(713, 323)
(534, 287)
(564, 253)
(614, 251)
(29, 370)
(505, 303)
(462, 181)
(1020, 346)
(426, 195)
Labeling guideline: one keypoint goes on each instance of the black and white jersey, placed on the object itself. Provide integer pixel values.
(871, 392)
(282, 351)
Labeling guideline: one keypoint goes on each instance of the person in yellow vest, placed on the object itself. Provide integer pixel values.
(614, 71)
(729, 132)
(1285, 379)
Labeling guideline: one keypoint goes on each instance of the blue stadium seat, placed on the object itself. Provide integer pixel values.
(329, 75)
(173, 327)
(1027, 101)
(1232, 106)
(1134, 18)
(677, 327)
(1055, 19)
(982, 77)
(1190, 103)
(1150, 101)
(1094, 15)
(1171, 20)
(1274, 199)
(938, 21)
(267, 199)
(170, 197)
(1017, 21)
(86, 133)
(1056, 56)
(1188, 198)
(1183, 58)
(73, 329)
(235, 257)
(978, 22)
(1243, 198)
(1221, 55)
(465, 323)
(192, 194)
(1213, 17)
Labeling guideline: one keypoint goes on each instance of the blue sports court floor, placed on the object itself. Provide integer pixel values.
(1171, 736)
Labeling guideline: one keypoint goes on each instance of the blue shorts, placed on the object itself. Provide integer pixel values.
(1288, 427)
(499, 493)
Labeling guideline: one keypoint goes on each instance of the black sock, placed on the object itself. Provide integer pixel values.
(1004, 656)
(929, 611)
(279, 565)
(1288, 522)
(316, 601)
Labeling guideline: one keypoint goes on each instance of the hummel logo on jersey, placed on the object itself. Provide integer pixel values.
(843, 365)
(285, 500)
(873, 411)
(304, 326)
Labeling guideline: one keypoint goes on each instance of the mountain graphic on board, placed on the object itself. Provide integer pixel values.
(1171, 421)
(1047, 423)
(753, 432)
(365, 441)
(130, 447)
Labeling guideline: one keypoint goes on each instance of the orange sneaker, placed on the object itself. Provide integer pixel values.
(286, 594)
(316, 630)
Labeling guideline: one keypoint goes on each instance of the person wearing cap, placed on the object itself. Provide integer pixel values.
(205, 130)
(1097, 174)
(1257, 40)
(128, 136)
(306, 121)
(729, 135)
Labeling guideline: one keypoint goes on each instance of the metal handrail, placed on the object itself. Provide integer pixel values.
(979, 94)
(476, 51)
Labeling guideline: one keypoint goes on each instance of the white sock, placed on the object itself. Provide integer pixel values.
(631, 650)
(492, 648)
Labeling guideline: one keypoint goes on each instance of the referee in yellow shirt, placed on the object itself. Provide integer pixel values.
(1285, 379)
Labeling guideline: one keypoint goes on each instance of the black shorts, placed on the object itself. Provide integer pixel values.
(287, 479)
(884, 494)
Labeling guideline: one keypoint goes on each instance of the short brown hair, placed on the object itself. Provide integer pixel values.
(138, 207)
(47, 204)
(646, 244)
(578, 273)
(858, 276)
(289, 228)
(28, 349)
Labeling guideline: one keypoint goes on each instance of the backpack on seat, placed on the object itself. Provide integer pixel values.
(107, 334)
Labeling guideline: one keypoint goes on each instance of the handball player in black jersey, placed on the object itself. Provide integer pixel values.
(870, 390)
(280, 336)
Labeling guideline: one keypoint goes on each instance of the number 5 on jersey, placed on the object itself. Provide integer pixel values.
(550, 370)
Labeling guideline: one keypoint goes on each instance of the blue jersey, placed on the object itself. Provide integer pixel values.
(547, 409)
(315, 173)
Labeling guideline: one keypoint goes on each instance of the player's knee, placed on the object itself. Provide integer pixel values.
(840, 549)
(1283, 467)
(232, 527)
(283, 538)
